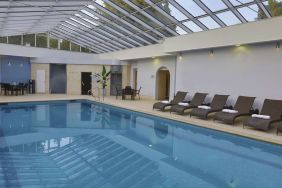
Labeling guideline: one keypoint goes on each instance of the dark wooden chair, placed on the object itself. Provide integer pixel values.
(128, 91)
(7, 88)
(15, 89)
(118, 91)
(2, 88)
(25, 88)
(137, 92)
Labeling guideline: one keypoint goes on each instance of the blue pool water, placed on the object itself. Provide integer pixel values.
(84, 144)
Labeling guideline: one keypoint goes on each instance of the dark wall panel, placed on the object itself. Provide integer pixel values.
(14, 69)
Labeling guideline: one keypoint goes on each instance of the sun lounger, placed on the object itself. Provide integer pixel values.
(196, 101)
(180, 96)
(216, 105)
(271, 112)
(242, 107)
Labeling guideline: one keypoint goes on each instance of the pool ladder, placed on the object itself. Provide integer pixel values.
(95, 93)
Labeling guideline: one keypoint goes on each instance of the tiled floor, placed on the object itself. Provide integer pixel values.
(145, 105)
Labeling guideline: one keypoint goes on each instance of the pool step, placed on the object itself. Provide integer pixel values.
(30, 170)
(99, 162)
(90, 161)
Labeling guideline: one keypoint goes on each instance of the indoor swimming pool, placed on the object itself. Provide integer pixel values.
(79, 143)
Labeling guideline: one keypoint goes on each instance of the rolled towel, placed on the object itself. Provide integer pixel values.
(204, 107)
(230, 111)
(261, 116)
(183, 103)
(166, 102)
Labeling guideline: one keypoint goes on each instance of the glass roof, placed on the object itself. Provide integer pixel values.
(110, 25)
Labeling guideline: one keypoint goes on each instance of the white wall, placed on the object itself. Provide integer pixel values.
(143, 52)
(254, 70)
(44, 55)
(147, 69)
(247, 70)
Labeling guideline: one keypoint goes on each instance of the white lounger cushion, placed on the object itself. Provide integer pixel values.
(183, 103)
(230, 111)
(166, 102)
(261, 116)
(204, 107)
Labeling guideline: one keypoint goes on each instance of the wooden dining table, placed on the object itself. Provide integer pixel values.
(128, 91)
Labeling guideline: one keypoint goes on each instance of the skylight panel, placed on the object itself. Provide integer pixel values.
(192, 26)
(91, 7)
(89, 14)
(191, 7)
(214, 5)
(100, 2)
(209, 22)
(67, 26)
(250, 13)
(228, 18)
(240, 2)
(180, 31)
(71, 23)
(93, 23)
(78, 15)
(85, 19)
(81, 23)
(265, 3)
(173, 12)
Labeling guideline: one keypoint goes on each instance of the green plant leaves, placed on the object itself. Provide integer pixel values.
(103, 77)
(104, 71)
(108, 73)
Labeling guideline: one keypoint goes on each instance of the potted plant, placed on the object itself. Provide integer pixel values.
(103, 79)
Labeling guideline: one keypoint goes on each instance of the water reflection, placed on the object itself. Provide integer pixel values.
(44, 146)
(58, 115)
(161, 130)
(85, 112)
(15, 120)
(22, 118)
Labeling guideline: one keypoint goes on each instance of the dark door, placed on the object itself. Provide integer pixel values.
(116, 82)
(86, 82)
(58, 78)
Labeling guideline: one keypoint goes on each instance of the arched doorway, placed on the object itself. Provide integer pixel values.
(162, 84)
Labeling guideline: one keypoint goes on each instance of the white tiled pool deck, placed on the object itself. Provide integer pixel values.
(145, 105)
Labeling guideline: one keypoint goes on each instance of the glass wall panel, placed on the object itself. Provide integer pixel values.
(41, 40)
(53, 43)
(3, 39)
(75, 47)
(83, 49)
(15, 39)
(65, 45)
(29, 40)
